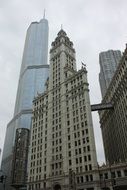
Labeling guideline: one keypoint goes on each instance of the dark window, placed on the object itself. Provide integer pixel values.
(69, 153)
(119, 173)
(79, 150)
(69, 162)
(77, 179)
(113, 175)
(86, 168)
(91, 177)
(85, 158)
(106, 175)
(81, 179)
(68, 122)
(125, 172)
(88, 148)
(89, 157)
(87, 178)
(80, 159)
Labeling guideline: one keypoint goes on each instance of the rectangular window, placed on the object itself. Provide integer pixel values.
(89, 157)
(69, 162)
(86, 131)
(86, 167)
(84, 149)
(76, 160)
(90, 167)
(68, 137)
(60, 148)
(83, 133)
(85, 158)
(113, 175)
(68, 122)
(91, 177)
(76, 151)
(106, 175)
(87, 178)
(80, 159)
(77, 179)
(87, 139)
(75, 143)
(83, 140)
(88, 148)
(82, 179)
(69, 153)
(125, 172)
(80, 151)
(69, 145)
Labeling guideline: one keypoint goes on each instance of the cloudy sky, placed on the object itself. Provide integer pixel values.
(93, 26)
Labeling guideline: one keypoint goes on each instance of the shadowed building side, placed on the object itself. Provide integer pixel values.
(114, 121)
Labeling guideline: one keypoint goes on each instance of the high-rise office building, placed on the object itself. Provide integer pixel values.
(114, 121)
(109, 61)
(33, 74)
(62, 147)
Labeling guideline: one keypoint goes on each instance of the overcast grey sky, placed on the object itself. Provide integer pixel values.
(93, 26)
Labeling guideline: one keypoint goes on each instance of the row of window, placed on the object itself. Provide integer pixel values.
(113, 174)
(57, 165)
(86, 178)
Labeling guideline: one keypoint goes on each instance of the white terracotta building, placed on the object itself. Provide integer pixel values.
(62, 149)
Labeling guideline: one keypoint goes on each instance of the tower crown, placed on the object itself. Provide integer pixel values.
(61, 33)
(62, 38)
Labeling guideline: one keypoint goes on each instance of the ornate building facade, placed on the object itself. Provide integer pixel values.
(62, 148)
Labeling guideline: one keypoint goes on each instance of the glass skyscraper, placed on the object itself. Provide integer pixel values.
(33, 74)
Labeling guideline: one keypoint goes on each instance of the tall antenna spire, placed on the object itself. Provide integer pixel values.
(44, 14)
(61, 27)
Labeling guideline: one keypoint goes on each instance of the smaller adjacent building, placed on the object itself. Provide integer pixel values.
(20, 157)
(113, 176)
(114, 121)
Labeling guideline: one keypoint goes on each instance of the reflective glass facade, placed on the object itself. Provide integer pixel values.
(33, 75)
